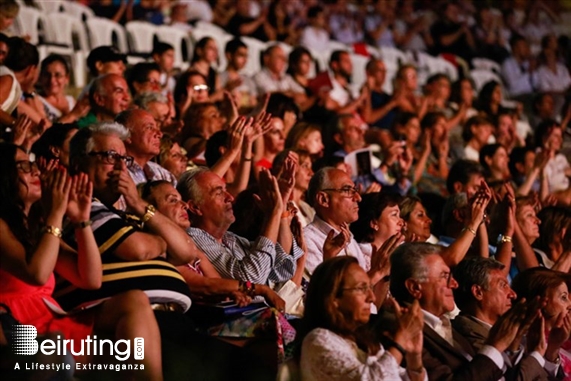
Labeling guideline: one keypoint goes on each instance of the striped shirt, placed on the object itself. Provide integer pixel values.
(259, 261)
(159, 279)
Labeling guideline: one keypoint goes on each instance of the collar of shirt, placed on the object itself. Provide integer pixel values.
(432, 321)
(228, 239)
(325, 228)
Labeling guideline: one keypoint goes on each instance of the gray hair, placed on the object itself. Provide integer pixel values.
(83, 142)
(454, 202)
(409, 261)
(142, 100)
(188, 187)
(473, 271)
(319, 181)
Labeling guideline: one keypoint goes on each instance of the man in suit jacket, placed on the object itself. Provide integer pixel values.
(419, 272)
(484, 295)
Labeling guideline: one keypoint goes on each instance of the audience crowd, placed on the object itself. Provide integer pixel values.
(291, 224)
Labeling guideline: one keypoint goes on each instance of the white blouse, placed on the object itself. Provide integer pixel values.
(326, 356)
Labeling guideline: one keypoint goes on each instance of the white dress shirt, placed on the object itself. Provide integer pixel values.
(315, 234)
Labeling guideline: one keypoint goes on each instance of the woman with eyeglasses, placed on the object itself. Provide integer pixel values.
(31, 250)
(191, 88)
(204, 57)
(337, 342)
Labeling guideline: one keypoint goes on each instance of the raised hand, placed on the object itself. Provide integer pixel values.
(79, 202)
(334, 243)
(560, 332)
(380, 262)
(503, 333)
(261, 125)
(286, 178)
(237, 131)
(479, 202)
(122, 183)
(269, 198)
(233, 105)
(536, 340)
(410, 323)
(55, 191)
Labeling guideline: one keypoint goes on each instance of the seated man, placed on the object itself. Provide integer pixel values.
(350, 136)
(419, 272)
(240, 85)
(336, 202)
(108, 96)
(465, 176)
(271, 257)
(483, 295)
(99, 151)
(273, 79)
(158, 106)
(133, 258)
(143, 144)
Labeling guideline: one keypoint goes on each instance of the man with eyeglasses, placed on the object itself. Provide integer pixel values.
(143, 144)
(336, 202)
(484, 295)
(419, 272)
(140, 250)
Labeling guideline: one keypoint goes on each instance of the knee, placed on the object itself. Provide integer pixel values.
(134, 300)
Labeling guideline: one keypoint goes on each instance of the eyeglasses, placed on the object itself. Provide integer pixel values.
(27, 166)
(444, 276)
(345, 191)
(112, 157)
(200, 88)
(363, 290)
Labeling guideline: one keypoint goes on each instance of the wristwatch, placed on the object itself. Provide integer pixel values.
(149, 213)
(503, 239)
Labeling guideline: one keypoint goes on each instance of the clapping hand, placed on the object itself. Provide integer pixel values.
(236, 133)
(410, 323)
(269, 198)
(55, 191)
(503, 333)
(334, 243)
(286, 177)
(380, 262)
(261, 125)
(79, 202)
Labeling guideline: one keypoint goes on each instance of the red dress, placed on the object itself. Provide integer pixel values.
(27, 304)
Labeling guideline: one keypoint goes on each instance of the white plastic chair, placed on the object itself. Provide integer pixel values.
(78, 10)
(68, 31)
(486, 64)
(33, 23)
(359, 76)
(393, 56)
(481, 77)
(103, 31)
(141, 35)
(181, 42)
(255, 50)
(51, 6)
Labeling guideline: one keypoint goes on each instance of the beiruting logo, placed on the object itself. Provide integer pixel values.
(24, 342)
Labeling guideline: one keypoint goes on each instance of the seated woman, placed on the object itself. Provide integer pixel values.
(54, 78)
(171, 157)
(191, 88)
(144, 77)
(336, 342)
(555, 319)
(204, 57)
(494, 159)
(201, 121)
(31, 254)
(549, 140)
(306, 136)
(54, 144)
(431, 170)
(417, 222)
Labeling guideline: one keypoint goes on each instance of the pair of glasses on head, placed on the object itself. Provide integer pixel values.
(113, 157)
(27, 166)
(200, 88)
(362, 289)
(346, 191)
